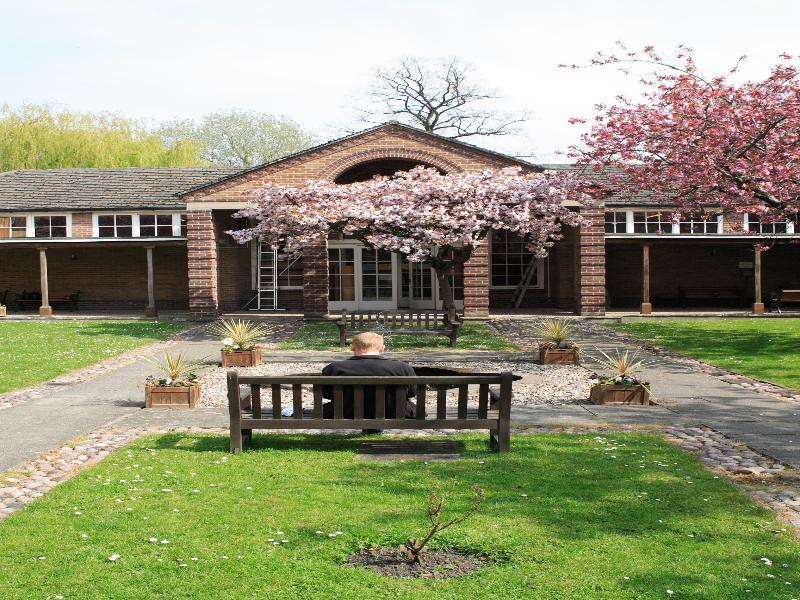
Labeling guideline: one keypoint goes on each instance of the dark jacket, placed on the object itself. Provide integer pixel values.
(369, 365)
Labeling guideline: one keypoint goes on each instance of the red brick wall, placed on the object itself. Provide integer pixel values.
(329, 162)
(476, 282)
(590, 264)
(201, 248)
(109, 278)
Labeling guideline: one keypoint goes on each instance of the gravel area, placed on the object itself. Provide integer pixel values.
(540, 384)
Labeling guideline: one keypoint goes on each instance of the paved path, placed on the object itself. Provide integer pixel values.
(686, 396)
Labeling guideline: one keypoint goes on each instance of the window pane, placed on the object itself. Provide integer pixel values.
(105, 220)
(105, 231)
(41, 226)
(147, 231)
(124, 220)
(125, 231)
(147, 220)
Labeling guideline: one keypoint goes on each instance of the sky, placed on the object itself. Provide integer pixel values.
(312, 60)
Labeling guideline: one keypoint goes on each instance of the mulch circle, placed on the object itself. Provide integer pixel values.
(435, 564)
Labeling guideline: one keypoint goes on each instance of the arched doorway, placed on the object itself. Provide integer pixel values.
(361, 278)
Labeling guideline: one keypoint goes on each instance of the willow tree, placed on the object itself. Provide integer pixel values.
(422, 214)
(38, 137)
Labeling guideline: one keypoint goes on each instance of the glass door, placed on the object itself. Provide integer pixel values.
(377, 283)
(342, 278)
(422, 286)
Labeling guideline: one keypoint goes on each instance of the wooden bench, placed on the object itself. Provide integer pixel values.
(708, 293)
(244, 420)
(426, 322)
(33, 300)
(777, 299)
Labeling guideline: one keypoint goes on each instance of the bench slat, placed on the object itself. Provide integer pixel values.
(441, 403)
(483, 400)
(400, 401)
(380, 402)
(276, 401)
(338, 402)
(297, 401)
(255, 400)
(358, 402)
(490, 424)
(317, 390)
(422, 392)
(463, 394)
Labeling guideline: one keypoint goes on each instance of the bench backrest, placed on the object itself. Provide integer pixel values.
(427, 387)
(790, 295)
(425, 320)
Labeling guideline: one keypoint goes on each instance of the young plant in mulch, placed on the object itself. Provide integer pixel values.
(557, 346)
(414, 558)
(622, 386)
(240, 341)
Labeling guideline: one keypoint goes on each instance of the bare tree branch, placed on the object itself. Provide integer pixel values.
(439, 99)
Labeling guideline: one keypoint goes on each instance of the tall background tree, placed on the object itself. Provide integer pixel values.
(438, 96)
(39, 137)
(421, 214)
(237, 138)
(702, 142)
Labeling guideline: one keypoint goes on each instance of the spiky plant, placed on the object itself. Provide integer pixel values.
(177, 370)
(556, 332)
(239, 334)
(624, 365)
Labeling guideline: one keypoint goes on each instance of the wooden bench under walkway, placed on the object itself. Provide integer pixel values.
(779, 299)
(432, 411)
(423, 323)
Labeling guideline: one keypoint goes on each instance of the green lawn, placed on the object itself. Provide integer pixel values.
(566, 517)
(472, 336)
(36, 351)
(767, 349)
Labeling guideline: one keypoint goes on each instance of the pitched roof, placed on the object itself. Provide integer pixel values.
(388, 125)
(639, 198)
(93, 189)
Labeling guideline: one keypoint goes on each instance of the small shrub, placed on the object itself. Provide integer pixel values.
(238, 334)
(556, 334)
(624, 367)
(176, 370)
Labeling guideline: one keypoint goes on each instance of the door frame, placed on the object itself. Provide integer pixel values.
(359, 303)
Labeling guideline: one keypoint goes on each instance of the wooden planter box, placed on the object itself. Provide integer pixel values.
(241, 358)
(606, 393)
(171, 396)
(559, 356)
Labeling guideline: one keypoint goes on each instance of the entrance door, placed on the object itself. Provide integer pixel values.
(361, 278)
(423, 284)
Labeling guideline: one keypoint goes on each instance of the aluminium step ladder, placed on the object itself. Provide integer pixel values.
(267, 278)
(525, 282)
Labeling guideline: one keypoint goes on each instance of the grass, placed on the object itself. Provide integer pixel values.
(766, 349)
(566, 516)
(472, 336)
(36, 351)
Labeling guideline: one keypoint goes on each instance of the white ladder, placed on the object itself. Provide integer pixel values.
(267, 269)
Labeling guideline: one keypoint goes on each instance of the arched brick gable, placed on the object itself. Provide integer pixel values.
(348, 162)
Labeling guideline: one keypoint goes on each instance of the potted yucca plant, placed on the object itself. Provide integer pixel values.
(178, 385)
(623, 386)
(557, 347)
(240, 341)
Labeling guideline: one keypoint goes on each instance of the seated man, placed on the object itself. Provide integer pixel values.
(367, 361)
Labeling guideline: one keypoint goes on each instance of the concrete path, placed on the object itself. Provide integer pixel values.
(685, 395)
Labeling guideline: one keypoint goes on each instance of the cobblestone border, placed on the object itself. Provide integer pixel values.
(765, 480)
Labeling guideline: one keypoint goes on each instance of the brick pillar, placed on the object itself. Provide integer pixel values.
(590, 264)
(476, 282)
(201, 247)
(315, 281)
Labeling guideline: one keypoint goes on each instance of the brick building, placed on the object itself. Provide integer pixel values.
(149, 239)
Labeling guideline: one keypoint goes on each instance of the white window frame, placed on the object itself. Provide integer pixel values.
(540, 272)
(628, 223)
(31, 229)
(676, 227)
(135, 224)
(790, 226)
(10, 217)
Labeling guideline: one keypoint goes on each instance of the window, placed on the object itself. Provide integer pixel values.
(376, 274)
(13, 226)
(50, 226)
(652, 222)
(153, 226)
(115, 226)
(341, 274)
(754, 224)
(617, 222)
(509, 260)
(290, 272)
(696, 224)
